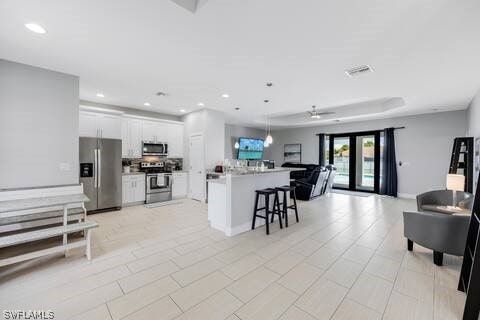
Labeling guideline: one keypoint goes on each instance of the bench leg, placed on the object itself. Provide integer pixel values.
(65, 222)
(438, 258)
(409, 245)
(88, 250)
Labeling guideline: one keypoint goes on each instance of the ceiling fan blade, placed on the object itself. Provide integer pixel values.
(325, 113)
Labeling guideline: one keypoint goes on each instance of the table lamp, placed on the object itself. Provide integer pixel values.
(455, 182)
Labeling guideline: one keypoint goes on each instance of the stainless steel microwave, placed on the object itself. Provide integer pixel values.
(153, 148)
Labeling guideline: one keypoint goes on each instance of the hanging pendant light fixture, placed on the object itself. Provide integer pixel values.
(269, 137)
(265, 142)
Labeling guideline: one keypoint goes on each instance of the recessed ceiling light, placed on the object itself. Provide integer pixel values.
(147, 104)
(100, 95)
(35, 28)
(225, 95)
(237, 108)
(161, 93)
(266, 100)
(201, 104)
(182, 110)
(269, 84)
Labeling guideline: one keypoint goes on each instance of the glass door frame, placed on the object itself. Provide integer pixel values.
(352, 136)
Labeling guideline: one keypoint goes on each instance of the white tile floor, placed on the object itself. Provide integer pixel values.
(346, 259)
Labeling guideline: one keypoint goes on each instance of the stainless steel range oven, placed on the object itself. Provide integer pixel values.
(159, 187)
(158, 182)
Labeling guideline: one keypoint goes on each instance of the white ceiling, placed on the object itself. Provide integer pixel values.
(424, 52)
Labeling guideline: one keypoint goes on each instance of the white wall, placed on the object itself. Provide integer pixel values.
(212, 125)
(473, 114)
(233, 132)
(38, 126)
(426, 144)
(215, 138)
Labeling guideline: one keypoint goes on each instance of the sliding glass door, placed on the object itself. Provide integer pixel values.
(341, 160)
(357, 158)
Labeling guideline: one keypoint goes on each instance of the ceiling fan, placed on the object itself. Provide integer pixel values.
(314, 114)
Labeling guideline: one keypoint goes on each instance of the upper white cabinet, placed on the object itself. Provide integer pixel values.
(175, 140)
(110, 126)
(88, 125)
(154, 131)
(132, 130)
(169, 132)
(99, 125)
(131, 138)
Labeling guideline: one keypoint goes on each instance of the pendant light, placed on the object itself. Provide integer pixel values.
(269, 137)
(237, 145)
(265, 142)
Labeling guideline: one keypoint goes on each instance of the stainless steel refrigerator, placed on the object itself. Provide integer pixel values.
(101, 172)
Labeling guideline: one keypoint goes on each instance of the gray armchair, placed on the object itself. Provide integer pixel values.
(441, 232)
(428, 201)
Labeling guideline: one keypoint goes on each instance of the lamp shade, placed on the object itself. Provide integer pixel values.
(456, 182)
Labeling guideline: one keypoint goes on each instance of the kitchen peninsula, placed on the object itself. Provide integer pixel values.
(231, 198)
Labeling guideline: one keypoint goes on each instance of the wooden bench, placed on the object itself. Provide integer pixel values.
(41, 234)
(39, 219)
(23, 209)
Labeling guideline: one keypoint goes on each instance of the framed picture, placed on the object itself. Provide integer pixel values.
(293, 153)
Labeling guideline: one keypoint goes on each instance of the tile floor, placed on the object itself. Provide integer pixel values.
(346, 259)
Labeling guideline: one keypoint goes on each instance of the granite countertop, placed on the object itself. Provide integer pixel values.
(266, 171)
(132, 173)
(41, 202)
(221, 179)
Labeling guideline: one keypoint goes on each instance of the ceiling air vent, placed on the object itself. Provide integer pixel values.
(359, 70)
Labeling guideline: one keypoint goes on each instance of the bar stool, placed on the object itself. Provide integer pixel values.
(287, 190)
(266, 193)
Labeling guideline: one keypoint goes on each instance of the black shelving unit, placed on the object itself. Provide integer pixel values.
(461, 161)
(469, 281)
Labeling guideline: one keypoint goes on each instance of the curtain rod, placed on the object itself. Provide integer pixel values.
(358, 132)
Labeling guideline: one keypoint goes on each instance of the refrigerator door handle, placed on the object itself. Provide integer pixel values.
(95, 168)
(99, 167)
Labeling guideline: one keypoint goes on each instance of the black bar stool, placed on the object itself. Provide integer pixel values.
(287, 190)
(266, 193)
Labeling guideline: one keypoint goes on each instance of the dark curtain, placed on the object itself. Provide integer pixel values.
(389, 165)
(321, 149)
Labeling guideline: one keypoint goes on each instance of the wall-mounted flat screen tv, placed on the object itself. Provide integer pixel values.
(250, 149)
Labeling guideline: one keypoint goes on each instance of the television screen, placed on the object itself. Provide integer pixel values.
(250, 149)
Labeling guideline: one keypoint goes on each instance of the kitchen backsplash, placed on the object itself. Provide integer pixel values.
(175, 163)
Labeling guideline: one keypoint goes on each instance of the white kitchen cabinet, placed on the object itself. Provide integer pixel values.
(87, 124)
(180, 184)
(155, 131)
(133, 188)
(99, 125)
(110, 126)
(175, 140)
(126, 152)
(131, 138)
